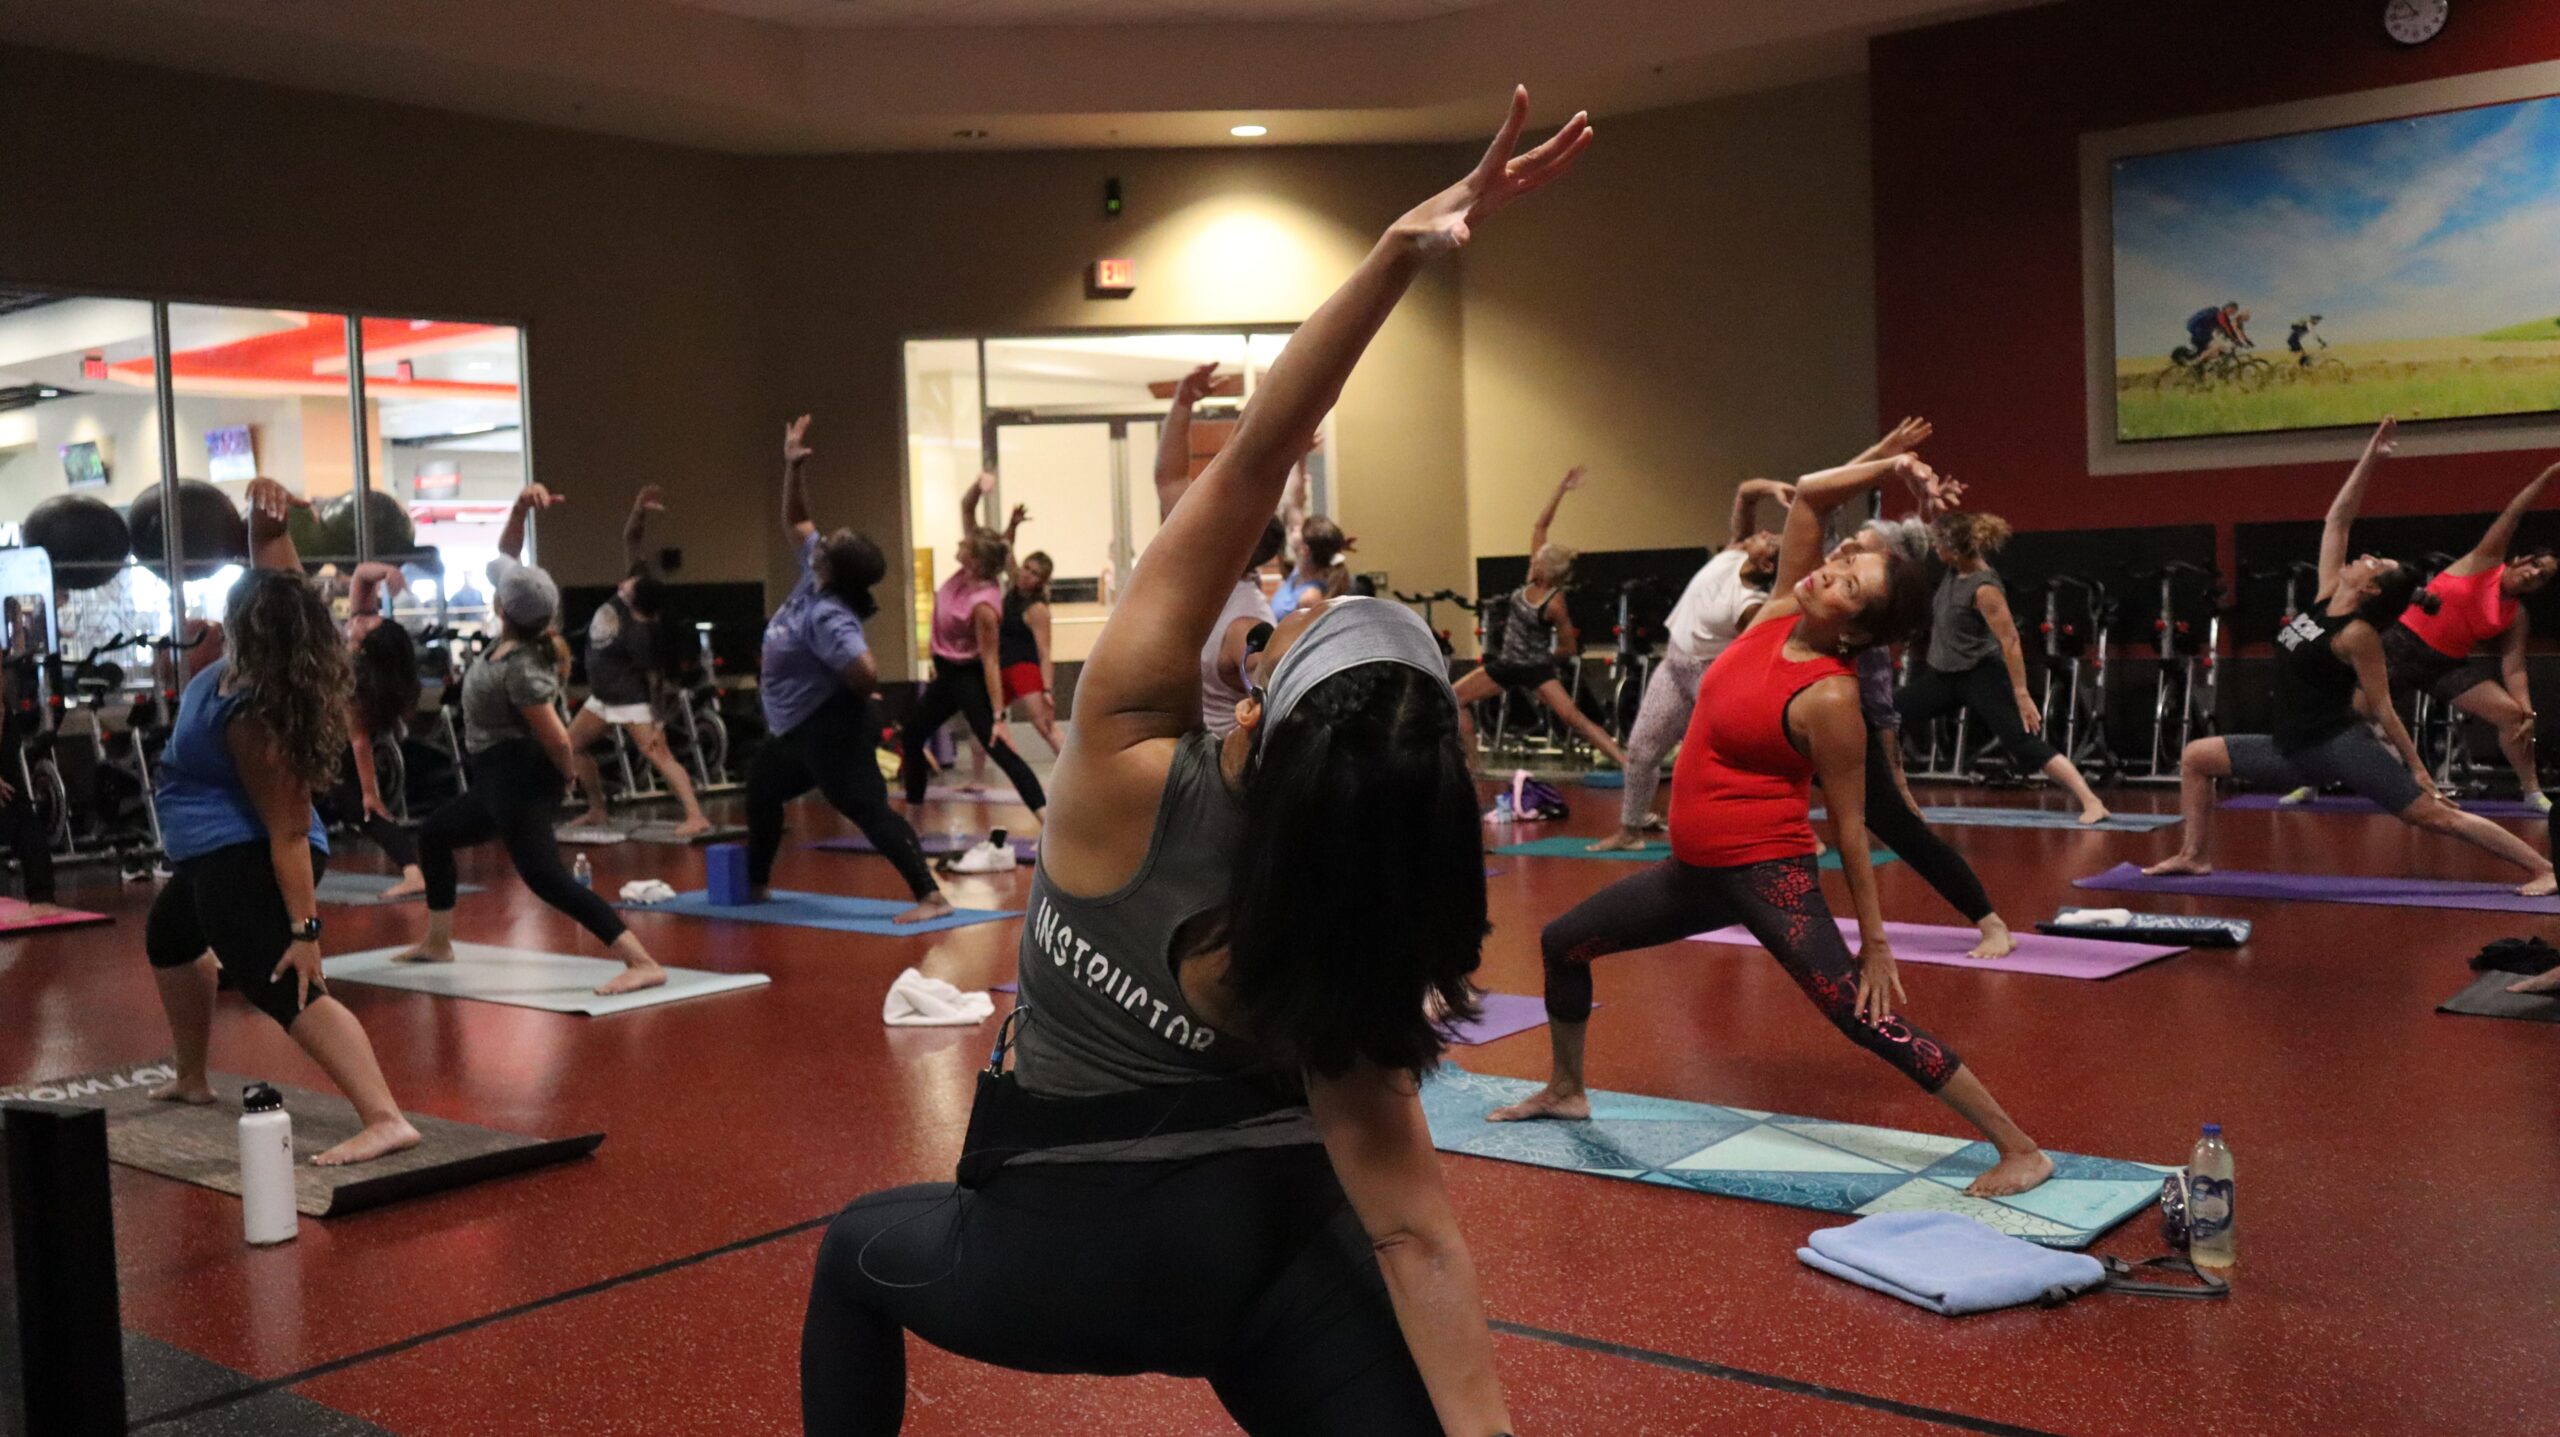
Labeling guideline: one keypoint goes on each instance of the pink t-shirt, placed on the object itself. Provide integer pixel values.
(955, 634)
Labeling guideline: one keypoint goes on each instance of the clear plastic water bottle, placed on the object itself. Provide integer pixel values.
(2211, 1239)
(1502, 808)
(267, 1214)
(583, 871)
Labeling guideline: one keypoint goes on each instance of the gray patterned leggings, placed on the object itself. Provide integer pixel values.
(1660, 721)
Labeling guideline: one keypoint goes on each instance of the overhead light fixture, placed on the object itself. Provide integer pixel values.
(1250, 132)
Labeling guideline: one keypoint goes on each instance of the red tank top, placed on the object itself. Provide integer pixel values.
(1741, 792)
(2470, 609)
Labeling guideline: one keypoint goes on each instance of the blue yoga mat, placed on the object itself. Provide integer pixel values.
(1973, 816)
(1772, 1157)
(820, 910)
(1566, 846)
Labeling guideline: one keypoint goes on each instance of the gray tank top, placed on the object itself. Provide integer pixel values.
(1105, 1013)
(1527, 637)
(1959, 637)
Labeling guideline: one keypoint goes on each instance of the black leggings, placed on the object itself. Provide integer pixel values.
(23, 829)
(344, 804)
(960, 687)
(515, 798)
(1903, 830)
(831, 751)
(1780, 901)
(1246, 1268)
(1984, 689)
(229, 901)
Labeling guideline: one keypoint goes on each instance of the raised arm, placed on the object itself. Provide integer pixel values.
(1143, 680)
(1547, 517)
(2492, 549)
(528, 499)
(1800, 548)
(1903, 438)
(2350, 500)
(1746, 506)
(635, 529)
(972, 497)
(1173, 441)
(795, 483)
(270, 535)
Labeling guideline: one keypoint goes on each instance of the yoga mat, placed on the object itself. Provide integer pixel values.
(2195, 932)
(581, 836)
(666, 833)
(1504, 1015)
(1986, 816)
(2037, 952)
(524, 978)
(201, 1145)
(365, 890)
(823, 910)
(936, 845)
(1772, 1157)
(13, 919)
(2325, 888)
(1567, 846)
(1605, 778)
(2350, 803)
(2487, 997)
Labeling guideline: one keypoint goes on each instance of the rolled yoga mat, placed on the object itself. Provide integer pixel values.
(1985, 816)
(666, 833)
(2037, 952)
(2350, 803)
(936, 845)
(2324, 888)
(1654, 851)
(201, 1145)
(1771, 1157)
(15, 921)
(2487, 997)
(525, 978)
(365, 890)
(830, 911)
(581, 835)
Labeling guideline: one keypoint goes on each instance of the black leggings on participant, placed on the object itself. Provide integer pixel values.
(1780, 901)
(1983, 689)
(960, 687)
(1902, 829)
(1245, 1268)
(514, 798)
(344, 804)
(831, 751)
(229, 901)
(23, 829)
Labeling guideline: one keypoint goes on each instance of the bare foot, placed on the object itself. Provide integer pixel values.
(2095, 813)
(2542, 887)
(376, 1141)
(2180, 863)
(925, 911)
(635, 976)
(1622, 841)
(429, 951)
(1547, 1102)
(1997, 940)
(693, 827)
(195, 1092)
(410, 885)
(2540, 983)
(2013, 1175)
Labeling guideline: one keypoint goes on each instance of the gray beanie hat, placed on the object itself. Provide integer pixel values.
(527, 597)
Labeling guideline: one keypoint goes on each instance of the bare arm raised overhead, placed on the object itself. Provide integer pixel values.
(2343, 509)
(795, 482)
(2492, 549)
(1746, 506)
(1547, 517)
(1173, 443)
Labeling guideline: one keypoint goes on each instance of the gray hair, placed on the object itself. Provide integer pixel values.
(1908, 537)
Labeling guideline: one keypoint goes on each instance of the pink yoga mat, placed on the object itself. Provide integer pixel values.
(2037, 952)
(14, 919)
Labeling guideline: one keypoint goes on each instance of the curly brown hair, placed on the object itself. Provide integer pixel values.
(1969, 534)
(287, 657)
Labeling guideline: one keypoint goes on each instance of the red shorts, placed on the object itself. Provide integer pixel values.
(1022, 681)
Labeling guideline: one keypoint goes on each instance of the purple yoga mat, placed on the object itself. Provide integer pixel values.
(2044, 953)
(2325, 888)
(936, 845)
(1504, 1014)
(2349, 803)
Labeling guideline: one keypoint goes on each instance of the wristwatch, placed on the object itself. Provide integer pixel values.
(306, 931)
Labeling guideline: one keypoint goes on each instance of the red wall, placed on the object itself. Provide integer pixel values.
(1977, 206)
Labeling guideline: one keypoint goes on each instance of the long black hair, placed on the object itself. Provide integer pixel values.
(387, 686)
(1359, 891)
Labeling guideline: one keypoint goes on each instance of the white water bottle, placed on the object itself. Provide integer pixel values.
(583, 871)
(2211, 1238)
(267, 1212)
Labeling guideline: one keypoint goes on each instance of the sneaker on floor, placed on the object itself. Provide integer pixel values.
(2304, 794)
(991, 855)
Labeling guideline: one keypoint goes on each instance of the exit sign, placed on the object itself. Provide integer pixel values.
(1115, 276)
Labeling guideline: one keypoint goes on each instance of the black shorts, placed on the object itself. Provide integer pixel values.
(2418, 666)
(1530, 676)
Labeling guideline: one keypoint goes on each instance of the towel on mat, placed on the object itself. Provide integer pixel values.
(916, 1001)
(647, 890)
(1946, 1263)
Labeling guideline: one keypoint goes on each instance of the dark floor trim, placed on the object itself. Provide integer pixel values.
(1773, 1383)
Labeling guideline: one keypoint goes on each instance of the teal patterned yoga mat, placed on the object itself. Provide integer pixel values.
(1772, 1157)
(1566, 846)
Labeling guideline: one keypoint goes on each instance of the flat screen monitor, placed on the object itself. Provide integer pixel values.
(84, 465)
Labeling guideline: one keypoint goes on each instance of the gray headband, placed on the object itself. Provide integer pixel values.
(1350, 632)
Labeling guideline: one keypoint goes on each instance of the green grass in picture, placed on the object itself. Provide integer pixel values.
(2529, 330)
(2413, 389)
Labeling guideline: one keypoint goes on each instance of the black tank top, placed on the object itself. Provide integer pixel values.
(1015, 643)
(2315, 689)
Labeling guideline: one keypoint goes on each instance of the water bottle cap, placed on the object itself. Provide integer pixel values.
(2213, 1130)
(261, 1098)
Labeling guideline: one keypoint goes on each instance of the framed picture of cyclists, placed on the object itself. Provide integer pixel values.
(2326, 277)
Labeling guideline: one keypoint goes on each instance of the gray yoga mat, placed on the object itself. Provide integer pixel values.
(2487, 997)
(365, 890)
(666, 833)
(201, 1145)
(526, 978)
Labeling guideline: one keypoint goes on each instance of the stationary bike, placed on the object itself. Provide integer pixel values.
(2187, 635)
(2077, 617)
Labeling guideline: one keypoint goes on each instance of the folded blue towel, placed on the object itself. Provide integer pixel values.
(1946, 1263)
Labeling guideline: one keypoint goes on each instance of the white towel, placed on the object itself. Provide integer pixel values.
(646, 890)
(916, 1001)
(2096, 917)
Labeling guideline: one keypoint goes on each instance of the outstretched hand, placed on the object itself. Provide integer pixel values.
(2385, 439)
(795, 441)
(536, 497)
(1573, 478)
(1191, 388)
(1905, 437)
(650, 500)
(271, 501)
(986, 482)
(1021, 516)
(1448, 219)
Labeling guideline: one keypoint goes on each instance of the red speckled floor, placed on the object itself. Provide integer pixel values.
(2401, 1172)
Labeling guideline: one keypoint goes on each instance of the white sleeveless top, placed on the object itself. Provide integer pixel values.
(1222, 688)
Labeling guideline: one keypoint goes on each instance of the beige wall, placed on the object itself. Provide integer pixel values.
(1696, 306)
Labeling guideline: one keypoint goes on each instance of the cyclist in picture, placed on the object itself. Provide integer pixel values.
(2302, 330)
(2213, 330)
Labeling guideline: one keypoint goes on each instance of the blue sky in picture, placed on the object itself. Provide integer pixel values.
(2422, 228)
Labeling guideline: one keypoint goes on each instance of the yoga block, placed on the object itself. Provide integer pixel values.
(725, 867)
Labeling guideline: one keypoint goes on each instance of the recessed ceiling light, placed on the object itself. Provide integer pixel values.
(1250, 132)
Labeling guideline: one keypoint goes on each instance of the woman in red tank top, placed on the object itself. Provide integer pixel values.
(1777, 708)
(2436, 645)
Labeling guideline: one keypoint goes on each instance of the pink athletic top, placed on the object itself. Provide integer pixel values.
(955, 604)
(2470, 610)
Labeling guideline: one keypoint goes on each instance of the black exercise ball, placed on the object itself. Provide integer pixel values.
(215, 534)
(85, 537)
(392, 535)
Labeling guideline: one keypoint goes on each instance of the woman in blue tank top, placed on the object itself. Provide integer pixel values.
(258, 732)
(1210, 1159)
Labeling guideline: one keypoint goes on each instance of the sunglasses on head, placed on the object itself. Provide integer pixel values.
(1256, 639)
